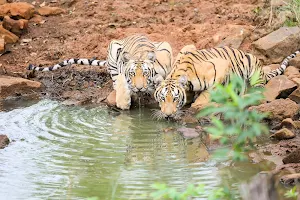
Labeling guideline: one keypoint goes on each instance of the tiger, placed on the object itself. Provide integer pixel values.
(135, 64)
(199, 71)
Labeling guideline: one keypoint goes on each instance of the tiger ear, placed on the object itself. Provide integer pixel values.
(151, 55)
(183, 80)
(126, 56)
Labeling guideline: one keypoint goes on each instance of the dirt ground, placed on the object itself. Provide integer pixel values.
(87, 27)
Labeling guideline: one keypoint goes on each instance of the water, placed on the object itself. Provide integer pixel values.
(61, 152)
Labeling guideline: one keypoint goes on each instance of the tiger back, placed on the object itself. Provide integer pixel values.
(201, 70)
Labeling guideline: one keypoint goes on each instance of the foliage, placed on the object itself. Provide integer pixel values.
(164, 192)
(238, 122)
(294, 7)
(292, 193)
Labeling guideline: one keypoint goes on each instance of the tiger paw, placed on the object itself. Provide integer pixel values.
(123, 103)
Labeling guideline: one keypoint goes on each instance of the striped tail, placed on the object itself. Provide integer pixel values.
(69, 62)
(282, 67)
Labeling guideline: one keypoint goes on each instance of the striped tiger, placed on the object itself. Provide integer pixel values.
(199, 70)
(135, 64)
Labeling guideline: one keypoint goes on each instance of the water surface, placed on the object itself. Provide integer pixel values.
(61, 152)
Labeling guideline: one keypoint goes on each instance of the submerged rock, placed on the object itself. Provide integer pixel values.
(189, 132)
(278, 109)
(293, 157)
(12, 86)
(290, 179)
(279, 86)
(278, 44)
(17, 10)
(4, 141)
(283, 134)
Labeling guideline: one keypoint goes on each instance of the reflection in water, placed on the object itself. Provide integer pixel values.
(74, 152)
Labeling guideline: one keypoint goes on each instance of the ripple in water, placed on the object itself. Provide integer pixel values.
(64, 152)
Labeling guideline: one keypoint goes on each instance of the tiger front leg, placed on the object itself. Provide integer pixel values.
(123, 93)
(202, 100)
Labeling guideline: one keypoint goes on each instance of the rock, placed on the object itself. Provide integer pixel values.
(278, 109)
(290, 179)
(2, 2)
(262, 187)
(17, 10)
(295, 96)
(11, 86)
(271, 67)
(188, 132)
(37, 19)
(2, 45)
(283, 134)
(9, 37)
(111, 98)
(236, 40)
(278, 44)
(292, 72)
(279, 87)
(295, 62)
(293, 157)
(17, 27)
(4, 141)
(296, 80)
(290, 124)
(46, 11)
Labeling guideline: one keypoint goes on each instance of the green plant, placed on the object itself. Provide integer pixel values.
(294, 7)
(292, 193)
(290, 23)
(239, 123)
(164, 192)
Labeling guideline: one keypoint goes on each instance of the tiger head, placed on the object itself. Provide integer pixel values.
(139, 71)
(171, 96)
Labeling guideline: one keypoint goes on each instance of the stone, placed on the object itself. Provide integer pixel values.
(2, 2)
(17, 27)
(236, 40)
(2, 45)
(290, 179)
(296, 80)
(295, 96)
(8, 36)
(47, 11)
(278, 44)
(4, 141)
(278, 109)
(271, 67)
(289, 124)
(188, 132)
(295, 61)
(12, 86)
(279, 86)
(17, 10)
(111, 98)
(292, 72)
(283, 134)
(293, 157)
(37, 19)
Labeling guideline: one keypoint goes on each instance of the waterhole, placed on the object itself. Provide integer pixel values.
(60, 152)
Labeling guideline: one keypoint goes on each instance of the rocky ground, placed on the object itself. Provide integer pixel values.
(47, 32)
